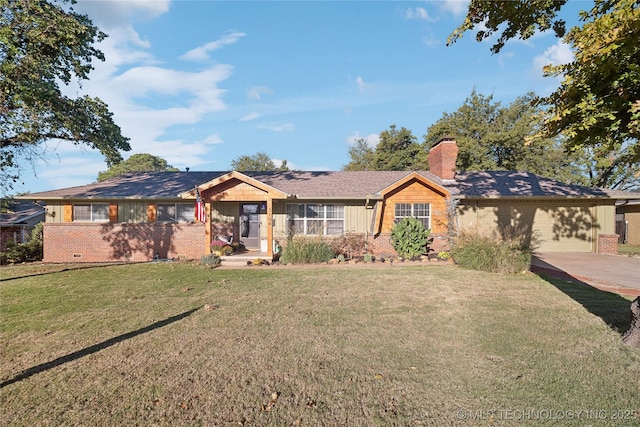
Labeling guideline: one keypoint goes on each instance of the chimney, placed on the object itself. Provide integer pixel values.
(442, 158)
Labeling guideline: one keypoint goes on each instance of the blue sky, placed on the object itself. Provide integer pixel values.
(200, 83)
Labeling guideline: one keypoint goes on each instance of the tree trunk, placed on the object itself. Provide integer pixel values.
(632, 336)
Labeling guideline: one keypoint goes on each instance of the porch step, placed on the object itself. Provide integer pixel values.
(243, 258)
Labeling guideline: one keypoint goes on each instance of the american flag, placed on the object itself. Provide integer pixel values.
(201, 213)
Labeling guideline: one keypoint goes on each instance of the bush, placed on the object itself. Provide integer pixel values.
(349, 245)
(409, 238)
(506, 252)
(305, 251)
(210, 260)
(28, 251)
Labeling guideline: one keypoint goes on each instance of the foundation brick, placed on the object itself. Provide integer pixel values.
(122, 242)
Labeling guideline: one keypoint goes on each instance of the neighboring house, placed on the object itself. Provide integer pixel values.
(143, 216)
(16, 224)
(628, 221)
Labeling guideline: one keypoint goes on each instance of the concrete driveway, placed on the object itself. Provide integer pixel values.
(614, 273)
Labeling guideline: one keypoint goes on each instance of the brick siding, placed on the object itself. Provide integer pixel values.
(608, 244)
(381, 244)
(89, 242)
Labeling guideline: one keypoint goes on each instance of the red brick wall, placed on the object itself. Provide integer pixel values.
(608, 244)
(381, 244)
(442, 158)
(87, 242)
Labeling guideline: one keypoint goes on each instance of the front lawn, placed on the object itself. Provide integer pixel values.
(179, 344)
(628, 249)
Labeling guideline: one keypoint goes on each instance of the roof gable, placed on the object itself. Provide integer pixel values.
(418, 177)
(227, 180)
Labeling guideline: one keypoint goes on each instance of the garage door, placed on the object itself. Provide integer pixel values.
(560, 228)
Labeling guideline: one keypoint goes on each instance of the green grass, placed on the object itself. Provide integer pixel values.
(629, 250)
(179, 344)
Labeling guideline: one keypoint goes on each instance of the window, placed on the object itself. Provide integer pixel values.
(421, 211)
(176, 212)
(316, 219)
(91, 212)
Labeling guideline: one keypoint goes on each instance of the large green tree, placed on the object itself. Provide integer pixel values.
(398, 149)
(361, 155)
(597, 106)
(493, 137)
(141, 162)
(259, 162)
(43, 44)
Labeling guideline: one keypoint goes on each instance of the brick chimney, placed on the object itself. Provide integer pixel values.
(442, 158)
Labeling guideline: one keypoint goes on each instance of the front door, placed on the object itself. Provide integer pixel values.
(250, 225)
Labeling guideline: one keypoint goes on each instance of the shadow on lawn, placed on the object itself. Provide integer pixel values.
(613, 309)
(67, 268)
(94, 348)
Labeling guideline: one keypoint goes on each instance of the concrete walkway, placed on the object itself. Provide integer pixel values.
(613, 273)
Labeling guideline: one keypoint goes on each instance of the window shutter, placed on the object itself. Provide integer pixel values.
(68, 212)
(151, 212)
(113, 212)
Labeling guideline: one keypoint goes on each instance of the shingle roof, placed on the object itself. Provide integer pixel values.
(330, 184)
(19, 212)
(144, 185)
(356, 184)
(525, 184)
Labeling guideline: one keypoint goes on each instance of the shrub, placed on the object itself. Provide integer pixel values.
(303, 251)
(507, 251)
(210, 260)
(28, 251)
(409, 238)
(349, 245)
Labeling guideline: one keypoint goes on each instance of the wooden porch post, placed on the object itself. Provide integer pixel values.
(207, 228)
(269, 227)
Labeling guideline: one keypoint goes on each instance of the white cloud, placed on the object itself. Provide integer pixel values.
(256, 92)
(362, 86)
(372, 139)
(417, 13)
(201, 53)
(115, 17)
(277, 127)
(559, 53)
(212, 139)
(111, 14)
(431, 41)
(457, 7)
(249, 117)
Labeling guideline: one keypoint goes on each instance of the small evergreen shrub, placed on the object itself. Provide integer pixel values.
(506, 251)
(306, 251)
(409, 238)
(210, 260)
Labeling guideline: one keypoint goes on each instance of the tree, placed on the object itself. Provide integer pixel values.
(597, 106)
(41, 45)
(492, 137)
(141, 162)
(361, 155)
(397, 150)
(259, 162)
(605, 169)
